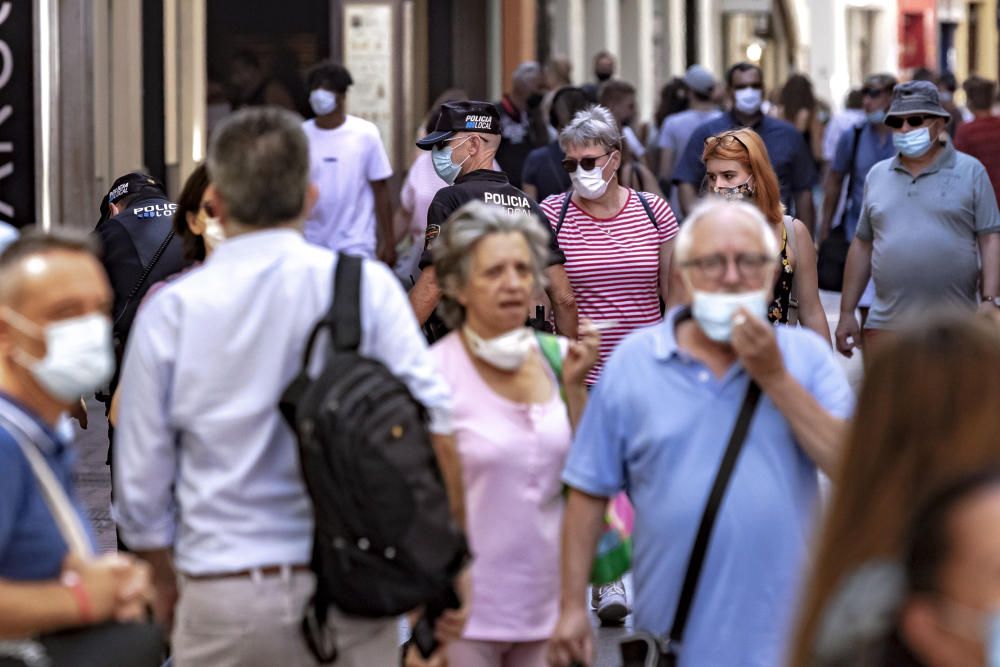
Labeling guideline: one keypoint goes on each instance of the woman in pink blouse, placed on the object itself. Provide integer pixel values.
(512, 426)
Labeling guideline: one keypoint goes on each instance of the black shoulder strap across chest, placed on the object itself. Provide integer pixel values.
(569, 194)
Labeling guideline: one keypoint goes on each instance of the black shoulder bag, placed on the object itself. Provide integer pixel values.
(644, 649)
(833, 249)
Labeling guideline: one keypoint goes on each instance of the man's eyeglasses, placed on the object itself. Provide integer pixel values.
(750, 266)
(896, 122)
(588, 163)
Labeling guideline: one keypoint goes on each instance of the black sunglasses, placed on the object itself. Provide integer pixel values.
(873, 92)
(588, 163)
(744, 86)
(896, 122)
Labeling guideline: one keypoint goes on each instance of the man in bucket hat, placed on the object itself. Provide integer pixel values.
(929, 215)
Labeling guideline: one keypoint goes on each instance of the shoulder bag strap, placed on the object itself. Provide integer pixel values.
(850, 173)
(345, 315)
(145, 274)
(65, 515)
(649, 209)
(562, 211)
(700, 547)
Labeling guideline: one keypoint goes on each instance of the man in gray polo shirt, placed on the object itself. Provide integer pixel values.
(929, 230)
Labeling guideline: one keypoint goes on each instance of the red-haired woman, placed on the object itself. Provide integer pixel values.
(737, 167)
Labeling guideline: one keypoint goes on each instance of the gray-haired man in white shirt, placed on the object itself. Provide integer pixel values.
(209, 489)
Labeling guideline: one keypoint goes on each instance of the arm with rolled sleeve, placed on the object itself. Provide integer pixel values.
(145, 447)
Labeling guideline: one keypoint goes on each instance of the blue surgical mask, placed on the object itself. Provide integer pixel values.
(876, 117)
(913, 143)
(322, 101)
(714, 311)
(445, 168)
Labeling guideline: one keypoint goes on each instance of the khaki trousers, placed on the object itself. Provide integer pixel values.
(255, 621)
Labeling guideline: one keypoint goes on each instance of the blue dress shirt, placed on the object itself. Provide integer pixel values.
(656, 425)
(203, 459)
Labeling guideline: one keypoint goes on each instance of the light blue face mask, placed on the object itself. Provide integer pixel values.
(445, 168)
(913, 143)
(876, 117)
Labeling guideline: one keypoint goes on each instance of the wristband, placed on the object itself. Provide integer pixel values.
(74, 584)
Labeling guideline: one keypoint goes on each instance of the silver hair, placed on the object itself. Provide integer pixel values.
(593, 125)
(459, 236)
(259, 161)
(714, 206)
(525, 70)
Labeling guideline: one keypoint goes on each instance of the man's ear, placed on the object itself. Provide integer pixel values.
(115, 209)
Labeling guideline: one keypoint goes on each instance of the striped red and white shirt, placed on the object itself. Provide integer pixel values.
(613, 264)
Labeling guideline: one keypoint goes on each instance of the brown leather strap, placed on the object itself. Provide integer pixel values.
(266, 571)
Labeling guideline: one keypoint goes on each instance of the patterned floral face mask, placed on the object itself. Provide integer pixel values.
(736, 192)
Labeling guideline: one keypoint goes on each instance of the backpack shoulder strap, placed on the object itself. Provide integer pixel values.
(562, 211)
(345, 314)
(649, 209)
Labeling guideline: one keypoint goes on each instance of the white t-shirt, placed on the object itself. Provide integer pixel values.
(343, 162)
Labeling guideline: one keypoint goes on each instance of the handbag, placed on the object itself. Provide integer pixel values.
(833, 249)
(645, 649)
(110, 644)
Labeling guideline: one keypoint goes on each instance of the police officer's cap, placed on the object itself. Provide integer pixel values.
(132, 183)
(464, 116)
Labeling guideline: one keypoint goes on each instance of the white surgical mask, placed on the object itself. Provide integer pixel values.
(322, 101)
(79, 356)
(714, 311)
(913, 143)
(213, 234)
(748, 100)
(507, 352)
(590, 184)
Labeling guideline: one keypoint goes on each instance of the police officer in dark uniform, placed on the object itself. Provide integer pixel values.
(138, 249)
(464, 146)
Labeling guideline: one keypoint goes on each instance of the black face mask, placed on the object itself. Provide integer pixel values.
(603, 76)
(534, 100)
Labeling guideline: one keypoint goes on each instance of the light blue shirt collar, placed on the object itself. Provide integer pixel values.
(665, 345)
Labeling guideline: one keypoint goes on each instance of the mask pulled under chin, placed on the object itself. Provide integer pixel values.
(714, 311)
(507, 352)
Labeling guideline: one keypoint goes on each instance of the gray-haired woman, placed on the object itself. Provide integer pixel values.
(617, 243)
(511, 425)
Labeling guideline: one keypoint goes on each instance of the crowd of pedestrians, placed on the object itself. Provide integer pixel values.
(574, 331)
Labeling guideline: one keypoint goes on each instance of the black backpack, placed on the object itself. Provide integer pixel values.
(384, 541)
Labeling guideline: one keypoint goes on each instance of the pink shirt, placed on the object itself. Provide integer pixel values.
(512, 457)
